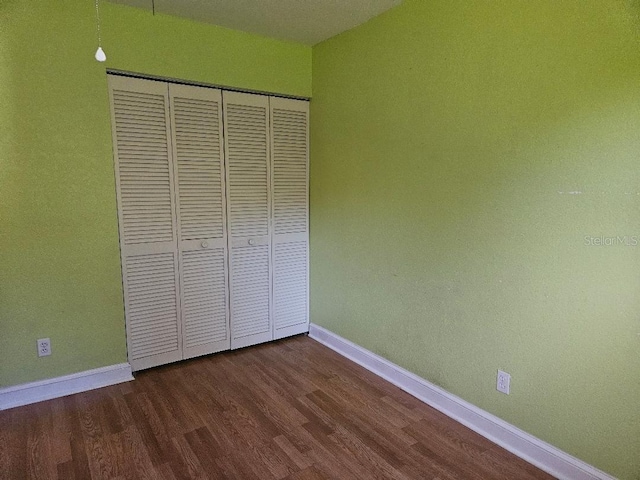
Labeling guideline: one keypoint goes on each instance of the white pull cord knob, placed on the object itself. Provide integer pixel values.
(100, 55)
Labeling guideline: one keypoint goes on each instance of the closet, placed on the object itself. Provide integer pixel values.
(212, 190)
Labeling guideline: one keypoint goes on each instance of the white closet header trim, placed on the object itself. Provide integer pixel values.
(157, 78)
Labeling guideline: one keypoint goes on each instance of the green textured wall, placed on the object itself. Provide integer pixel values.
(137, 41)
(460, 153)
(59, 256)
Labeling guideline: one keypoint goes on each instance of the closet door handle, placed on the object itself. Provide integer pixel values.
(204, 244)
(251, 241)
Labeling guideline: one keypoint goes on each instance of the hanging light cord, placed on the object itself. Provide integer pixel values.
(98, 24)
(99, 56)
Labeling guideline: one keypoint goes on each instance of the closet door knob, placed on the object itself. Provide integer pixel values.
(204, 244)
(252, 241)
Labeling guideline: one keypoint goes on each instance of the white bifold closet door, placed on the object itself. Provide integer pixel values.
(170, 188)
(198, 152)
(290, 244)
(148, 230)
(212, 191)
(246, 130)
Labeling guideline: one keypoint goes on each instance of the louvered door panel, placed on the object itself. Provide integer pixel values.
(290, 286)
(152, 304)
(196, 115)
(289, 169)
(247, 143)
(250, 287)
(146, 212)
(204, 304)
(246, 129)
(145, 186)
(289, 165)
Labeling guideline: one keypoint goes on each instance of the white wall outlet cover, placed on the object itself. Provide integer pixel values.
(44, 347)
(503, 382)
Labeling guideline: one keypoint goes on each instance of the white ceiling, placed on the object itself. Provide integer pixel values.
(303, 21)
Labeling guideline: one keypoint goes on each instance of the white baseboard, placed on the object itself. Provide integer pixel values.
(535, 451)
(61, 386)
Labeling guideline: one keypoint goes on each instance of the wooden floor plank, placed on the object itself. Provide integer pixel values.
(286, 410)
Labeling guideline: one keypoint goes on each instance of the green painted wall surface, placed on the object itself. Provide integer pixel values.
(59, 254)
(460, 153)
(177, 48)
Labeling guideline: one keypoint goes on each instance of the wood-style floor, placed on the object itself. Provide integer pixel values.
(292, 409)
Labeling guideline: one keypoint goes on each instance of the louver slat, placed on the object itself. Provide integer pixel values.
(289, 154)
(196, 115)
(247, 140)
(146, 209)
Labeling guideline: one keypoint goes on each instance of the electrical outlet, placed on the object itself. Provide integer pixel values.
(504, 382)
(44, 347)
